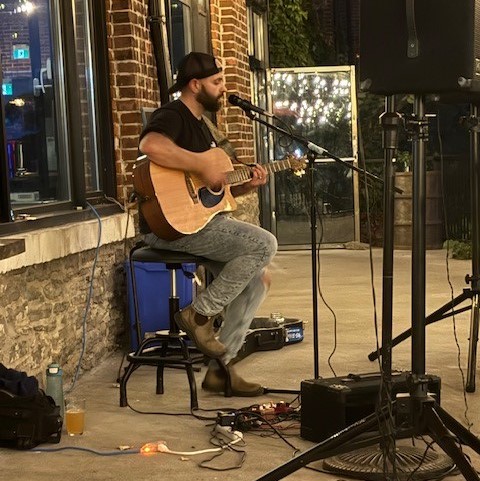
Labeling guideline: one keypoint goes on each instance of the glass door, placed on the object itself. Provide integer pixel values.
(28, 94)
(316, 103)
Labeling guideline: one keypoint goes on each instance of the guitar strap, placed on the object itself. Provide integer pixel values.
(221, 140)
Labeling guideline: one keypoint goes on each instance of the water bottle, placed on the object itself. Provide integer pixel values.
(55, 386)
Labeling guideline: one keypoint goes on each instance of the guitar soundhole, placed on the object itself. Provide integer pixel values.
(208, 199)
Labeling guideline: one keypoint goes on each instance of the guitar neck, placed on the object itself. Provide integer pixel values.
(243, 174)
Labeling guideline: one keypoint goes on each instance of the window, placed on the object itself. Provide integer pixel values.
(83, 37)
(55, 94)
(258, 58)
(180, 31)
(189, 28)
(28, 92)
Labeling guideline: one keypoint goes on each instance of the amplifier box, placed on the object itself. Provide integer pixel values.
(330, 405)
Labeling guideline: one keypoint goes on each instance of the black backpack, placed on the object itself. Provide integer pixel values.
(28, 416)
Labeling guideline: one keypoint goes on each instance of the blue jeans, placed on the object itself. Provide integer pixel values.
(238, 254)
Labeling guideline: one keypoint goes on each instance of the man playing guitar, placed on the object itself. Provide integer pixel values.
(176, 137)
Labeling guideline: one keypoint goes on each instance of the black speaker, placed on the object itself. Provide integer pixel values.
(420, 47)
(332, 404)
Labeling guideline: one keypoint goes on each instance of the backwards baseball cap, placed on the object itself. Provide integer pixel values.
(194, 65)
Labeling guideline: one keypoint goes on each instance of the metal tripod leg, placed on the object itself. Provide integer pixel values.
(443, 313)
(472, 345)
(462, 433)
(474, 279)
(442, 436)
(342, 442)
(438, 315)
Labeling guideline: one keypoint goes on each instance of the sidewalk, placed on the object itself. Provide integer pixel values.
(346, 287)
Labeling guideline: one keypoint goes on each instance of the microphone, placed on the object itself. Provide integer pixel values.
(247, 106)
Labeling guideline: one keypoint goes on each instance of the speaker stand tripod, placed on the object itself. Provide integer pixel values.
(425, 416)
(448, 309)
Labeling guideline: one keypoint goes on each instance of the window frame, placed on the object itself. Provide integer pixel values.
(5, 207)
(195, 40)
(103, 103)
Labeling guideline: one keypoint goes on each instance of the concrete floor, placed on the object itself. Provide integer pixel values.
(345, 284)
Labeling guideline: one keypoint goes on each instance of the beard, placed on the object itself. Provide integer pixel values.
(209, 103)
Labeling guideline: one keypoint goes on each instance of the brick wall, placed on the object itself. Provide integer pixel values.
(133, 81)
(326, 10)
(355, 26)
(134, 77)
(230, 44)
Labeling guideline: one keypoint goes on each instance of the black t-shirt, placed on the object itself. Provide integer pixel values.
(176, 121)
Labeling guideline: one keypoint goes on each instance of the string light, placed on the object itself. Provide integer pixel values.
(24, 6)
(313, 99)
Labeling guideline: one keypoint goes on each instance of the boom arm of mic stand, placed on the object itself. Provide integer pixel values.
(315, 148)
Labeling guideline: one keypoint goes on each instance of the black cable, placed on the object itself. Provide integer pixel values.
(322, 297)
(88, 450)
(242, 453)
(191, 413)
(220, 443)
(386, 422)
(447, 266)
(88, 301)
(306, 212)
(280, 435)
(155, 412)
(422, 460)
(281, 138)
(292, 419)
(318, 274)
(205, 418)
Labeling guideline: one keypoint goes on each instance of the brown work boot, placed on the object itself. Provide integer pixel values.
(215, 382)
(199, 329)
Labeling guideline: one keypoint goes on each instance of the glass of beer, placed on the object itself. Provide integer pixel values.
(75, 416)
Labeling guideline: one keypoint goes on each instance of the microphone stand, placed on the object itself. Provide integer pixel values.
(313, 151)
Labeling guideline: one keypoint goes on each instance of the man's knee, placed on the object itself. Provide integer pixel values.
(272, 245)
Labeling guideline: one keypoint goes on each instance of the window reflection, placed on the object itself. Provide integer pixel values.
(181, 31)
(86, 92)
(315, 105)
(28, 96)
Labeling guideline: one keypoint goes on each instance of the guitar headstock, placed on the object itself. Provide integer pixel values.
(297, 164)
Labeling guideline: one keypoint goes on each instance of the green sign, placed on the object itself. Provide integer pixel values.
(21, 52)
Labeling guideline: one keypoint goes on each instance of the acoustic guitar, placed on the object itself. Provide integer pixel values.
(175, 203)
